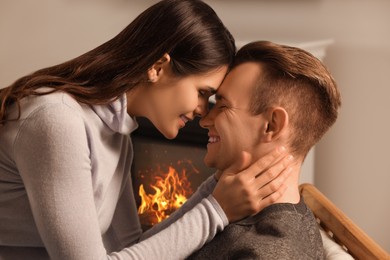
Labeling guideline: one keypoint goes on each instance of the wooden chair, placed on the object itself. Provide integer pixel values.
(339, 227)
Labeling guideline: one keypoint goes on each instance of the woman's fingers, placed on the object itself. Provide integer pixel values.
(274, 176)
(270, 184)
(271, 198)
(264, 163)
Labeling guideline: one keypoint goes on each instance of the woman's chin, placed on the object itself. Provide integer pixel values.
(170, 134)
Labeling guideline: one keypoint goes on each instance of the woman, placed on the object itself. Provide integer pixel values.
(66, 153)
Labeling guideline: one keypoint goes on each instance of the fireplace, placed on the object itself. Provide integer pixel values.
(166, 172)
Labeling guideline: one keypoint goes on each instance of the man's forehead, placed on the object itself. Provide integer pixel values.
(239, 81)
(224, 91)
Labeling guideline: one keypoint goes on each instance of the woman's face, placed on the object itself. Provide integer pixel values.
(176, 100)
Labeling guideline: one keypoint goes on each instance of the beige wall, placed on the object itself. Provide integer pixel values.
(352, 164)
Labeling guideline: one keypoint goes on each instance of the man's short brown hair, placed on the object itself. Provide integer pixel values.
(300, 83)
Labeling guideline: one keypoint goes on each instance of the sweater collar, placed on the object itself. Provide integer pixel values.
(115, 116)
(299, 208)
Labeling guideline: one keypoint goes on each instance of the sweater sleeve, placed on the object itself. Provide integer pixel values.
(53, 158)
(188, 234)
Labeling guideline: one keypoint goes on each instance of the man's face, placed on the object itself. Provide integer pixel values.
(232, 127)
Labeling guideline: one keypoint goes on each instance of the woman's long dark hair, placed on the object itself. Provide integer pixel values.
(188, 30)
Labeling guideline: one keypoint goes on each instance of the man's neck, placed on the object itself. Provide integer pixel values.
(292, 195)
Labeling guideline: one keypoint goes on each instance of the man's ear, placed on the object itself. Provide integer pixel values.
(276, 122)
(157, 69)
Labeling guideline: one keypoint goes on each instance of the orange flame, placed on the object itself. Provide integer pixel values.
(171, 192)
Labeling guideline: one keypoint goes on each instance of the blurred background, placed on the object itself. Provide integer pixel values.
(351, 164)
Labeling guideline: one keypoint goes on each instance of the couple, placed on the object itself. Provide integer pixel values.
(66, 152)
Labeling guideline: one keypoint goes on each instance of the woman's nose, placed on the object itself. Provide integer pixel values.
(207, 120)
(202, 109)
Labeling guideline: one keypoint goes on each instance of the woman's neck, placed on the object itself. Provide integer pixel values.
(137, 104)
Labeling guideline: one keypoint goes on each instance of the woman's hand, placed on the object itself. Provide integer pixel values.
(242, 193)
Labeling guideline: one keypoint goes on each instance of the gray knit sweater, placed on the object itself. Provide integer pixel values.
(66, 191)
(280, 231)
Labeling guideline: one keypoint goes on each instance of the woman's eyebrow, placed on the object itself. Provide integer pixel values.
(212, 90)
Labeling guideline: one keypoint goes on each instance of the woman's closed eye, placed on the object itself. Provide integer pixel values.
(204, 93)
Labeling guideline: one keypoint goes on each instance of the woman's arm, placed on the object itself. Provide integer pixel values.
(53, 158)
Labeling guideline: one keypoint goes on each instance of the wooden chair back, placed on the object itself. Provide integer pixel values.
(341, 228)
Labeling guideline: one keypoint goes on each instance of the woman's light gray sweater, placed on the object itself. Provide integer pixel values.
(66, 191)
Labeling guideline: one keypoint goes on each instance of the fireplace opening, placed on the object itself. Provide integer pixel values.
(166, 172)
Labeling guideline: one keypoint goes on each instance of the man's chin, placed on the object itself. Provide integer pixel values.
(209, 162)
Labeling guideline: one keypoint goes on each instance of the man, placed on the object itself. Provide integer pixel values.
(274, 95)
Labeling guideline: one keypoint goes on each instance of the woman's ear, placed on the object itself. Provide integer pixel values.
(158, 68)
(276, 122)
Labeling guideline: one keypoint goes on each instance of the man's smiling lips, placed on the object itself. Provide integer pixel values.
(214, 139)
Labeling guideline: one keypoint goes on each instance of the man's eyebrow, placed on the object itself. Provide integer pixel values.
(218, 97)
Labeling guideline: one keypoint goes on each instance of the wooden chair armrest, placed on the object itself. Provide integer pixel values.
(341, 228)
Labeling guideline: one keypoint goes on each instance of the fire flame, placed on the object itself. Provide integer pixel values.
(171, 192)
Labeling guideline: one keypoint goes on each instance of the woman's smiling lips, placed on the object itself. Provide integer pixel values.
(184, 119)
